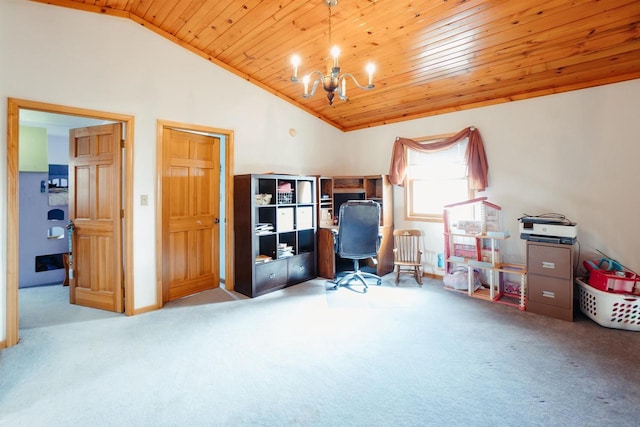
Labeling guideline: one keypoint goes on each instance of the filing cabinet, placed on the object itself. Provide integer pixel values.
(550, 279)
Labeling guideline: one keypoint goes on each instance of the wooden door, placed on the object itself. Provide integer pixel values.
(190, 213)
(95, 206)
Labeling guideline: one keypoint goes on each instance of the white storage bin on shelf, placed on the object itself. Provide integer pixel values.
(611, 310)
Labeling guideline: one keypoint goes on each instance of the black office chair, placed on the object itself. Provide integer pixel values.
(358, 238)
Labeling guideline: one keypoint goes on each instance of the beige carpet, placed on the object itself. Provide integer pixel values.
(310, 356)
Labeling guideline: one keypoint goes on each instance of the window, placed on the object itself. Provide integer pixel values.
(434, 180)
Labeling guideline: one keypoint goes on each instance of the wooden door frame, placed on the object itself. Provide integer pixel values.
(228, 167)
(13, 176)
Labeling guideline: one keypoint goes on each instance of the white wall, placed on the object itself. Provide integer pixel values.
(73, 58)
(575, 153)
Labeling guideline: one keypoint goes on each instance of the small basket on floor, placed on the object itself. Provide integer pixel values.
(611, 310)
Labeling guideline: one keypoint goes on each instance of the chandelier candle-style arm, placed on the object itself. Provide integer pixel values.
(368, 86)
(333, 83)
(307, 79)
(342, 90)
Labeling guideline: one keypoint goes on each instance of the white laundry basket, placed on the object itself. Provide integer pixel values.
(608, 309)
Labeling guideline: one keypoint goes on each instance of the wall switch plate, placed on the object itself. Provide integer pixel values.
(144, 199)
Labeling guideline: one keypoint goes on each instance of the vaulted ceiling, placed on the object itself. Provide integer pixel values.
(431, 56)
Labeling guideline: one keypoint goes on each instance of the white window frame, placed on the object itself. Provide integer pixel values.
(415, 177)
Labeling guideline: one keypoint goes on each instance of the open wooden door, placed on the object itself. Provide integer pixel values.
(95, 206)
(190, 213)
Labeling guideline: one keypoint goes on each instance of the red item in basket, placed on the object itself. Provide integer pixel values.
(614, 281)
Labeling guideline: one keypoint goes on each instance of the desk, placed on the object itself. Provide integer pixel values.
(327, 255)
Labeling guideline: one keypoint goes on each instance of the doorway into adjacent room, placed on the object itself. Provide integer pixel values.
(121, 153)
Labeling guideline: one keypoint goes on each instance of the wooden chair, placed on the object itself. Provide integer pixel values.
(407, 255)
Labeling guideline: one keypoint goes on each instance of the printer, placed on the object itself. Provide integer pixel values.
(548, 229)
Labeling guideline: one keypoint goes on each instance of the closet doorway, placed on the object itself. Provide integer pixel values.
(192, 160)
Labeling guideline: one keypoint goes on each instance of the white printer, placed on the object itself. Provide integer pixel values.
(549, 229)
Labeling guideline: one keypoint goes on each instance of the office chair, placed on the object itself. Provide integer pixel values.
(407, 255)
(358, 238)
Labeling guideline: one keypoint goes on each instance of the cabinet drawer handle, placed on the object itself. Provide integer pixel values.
(272, 275)
(548, 294)
(548, 264)
(301, 267)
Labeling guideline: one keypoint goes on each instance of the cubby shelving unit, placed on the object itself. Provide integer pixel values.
(275, 231)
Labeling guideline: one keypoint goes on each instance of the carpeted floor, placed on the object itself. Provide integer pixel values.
(43, 306)
(310, 356)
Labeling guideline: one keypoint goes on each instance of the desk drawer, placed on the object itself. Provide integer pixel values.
(554, 261)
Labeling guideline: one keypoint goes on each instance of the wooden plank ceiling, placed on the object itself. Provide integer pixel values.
(431, 56)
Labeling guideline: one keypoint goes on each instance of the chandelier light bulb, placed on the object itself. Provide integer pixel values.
(295, 61)
(335, 53)
(305, 82)
(370, 69)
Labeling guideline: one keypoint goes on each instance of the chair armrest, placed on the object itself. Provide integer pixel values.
(336, 240)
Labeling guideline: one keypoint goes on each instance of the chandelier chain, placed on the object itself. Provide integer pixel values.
(329, 7)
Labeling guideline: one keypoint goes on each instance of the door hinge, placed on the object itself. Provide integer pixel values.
(122, 143)
(121, 213)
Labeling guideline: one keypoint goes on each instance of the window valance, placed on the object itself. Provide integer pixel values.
(477, 166)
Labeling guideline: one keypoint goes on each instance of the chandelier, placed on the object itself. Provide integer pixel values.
(332, 82)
